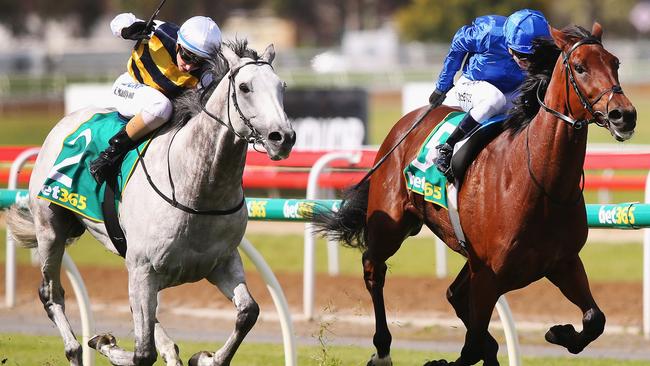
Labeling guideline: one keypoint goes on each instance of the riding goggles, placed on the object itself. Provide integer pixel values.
(189, 57)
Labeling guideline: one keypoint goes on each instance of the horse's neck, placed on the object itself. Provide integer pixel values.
(209, 158)
(557, 149)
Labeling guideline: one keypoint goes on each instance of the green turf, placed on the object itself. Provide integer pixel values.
(27, 127)
(416, 257)
(22, 350)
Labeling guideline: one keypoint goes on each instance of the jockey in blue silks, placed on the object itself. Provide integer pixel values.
(497, 49)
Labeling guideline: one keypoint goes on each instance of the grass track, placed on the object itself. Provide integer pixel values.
(22, 350)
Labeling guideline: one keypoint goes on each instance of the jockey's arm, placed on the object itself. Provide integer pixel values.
(467, 40)
(125, 20)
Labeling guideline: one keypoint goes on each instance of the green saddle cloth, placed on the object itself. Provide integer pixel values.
(422, 176)
(70, 184)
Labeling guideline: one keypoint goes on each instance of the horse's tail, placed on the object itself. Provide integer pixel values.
(348, 224)
(20, 222)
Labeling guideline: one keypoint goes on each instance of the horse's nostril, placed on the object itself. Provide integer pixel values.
(615, 115)
(275, 136)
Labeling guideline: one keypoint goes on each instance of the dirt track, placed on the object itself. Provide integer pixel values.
(540, 302)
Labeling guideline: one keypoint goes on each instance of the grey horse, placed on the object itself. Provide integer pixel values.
(166, 245)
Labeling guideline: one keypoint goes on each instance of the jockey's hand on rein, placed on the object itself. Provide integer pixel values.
(135, 31)
(436, 98)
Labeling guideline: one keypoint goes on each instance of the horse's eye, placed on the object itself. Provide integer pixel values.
(244, 88)
(617, 64)
(284, 85)
(579, 69)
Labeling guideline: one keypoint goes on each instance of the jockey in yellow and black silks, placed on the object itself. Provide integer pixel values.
(168, 60)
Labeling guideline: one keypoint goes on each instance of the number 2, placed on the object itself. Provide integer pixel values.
(55, 174)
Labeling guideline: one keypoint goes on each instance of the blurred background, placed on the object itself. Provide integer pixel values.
(375, 45)
(353, 68)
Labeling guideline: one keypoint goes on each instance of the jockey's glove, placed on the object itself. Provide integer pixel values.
(437, 97)
(135, 31)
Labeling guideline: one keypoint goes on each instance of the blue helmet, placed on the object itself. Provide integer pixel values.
(522, 27)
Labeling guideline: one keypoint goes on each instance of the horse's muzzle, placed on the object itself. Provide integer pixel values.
(279, 144)
(622, 122)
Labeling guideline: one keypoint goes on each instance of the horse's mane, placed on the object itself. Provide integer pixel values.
(542, 63)
(188, 103)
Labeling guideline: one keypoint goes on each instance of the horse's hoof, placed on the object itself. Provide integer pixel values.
(172, 359)
(377, 361)
(100, 340)
(200, 359)
(439, 363)
(565, 336)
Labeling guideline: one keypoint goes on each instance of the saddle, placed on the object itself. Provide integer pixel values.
(467, 149)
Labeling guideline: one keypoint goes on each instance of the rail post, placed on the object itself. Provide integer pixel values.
(310, 241)
(10, 269)
(280, 301)
(510, 330)
(646, 269)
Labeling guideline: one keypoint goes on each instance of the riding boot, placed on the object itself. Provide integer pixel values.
(108, 161)
(445, 151)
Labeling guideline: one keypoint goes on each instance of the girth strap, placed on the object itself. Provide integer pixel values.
(111, 221)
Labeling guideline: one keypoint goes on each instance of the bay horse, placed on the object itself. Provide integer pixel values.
(200, 162)
(521, 203)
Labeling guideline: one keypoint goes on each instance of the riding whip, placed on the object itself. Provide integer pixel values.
(383, 158)
(149, 24)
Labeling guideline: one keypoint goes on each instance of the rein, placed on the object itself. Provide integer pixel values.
(253, 137)
(172, 201)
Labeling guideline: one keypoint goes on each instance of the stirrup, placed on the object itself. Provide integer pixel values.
(100, 169)
(443, 161)
(445, 168)
(104, 166)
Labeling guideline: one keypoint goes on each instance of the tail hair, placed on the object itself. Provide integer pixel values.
(22, 229)
(348, 224)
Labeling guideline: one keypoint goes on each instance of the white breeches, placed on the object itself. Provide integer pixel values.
(130, 98)
(480, 98)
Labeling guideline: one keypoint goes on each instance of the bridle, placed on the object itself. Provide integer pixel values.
(253, 137)
(598, 117)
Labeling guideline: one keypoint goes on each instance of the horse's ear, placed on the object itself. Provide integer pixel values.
(269, 53)
(230, 56)
(597, 31)
(559, 37)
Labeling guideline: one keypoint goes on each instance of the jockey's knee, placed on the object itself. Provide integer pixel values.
(492, 104)
(157, 113)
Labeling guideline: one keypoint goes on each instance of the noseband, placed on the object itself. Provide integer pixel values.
(598, 117)
(254, 136)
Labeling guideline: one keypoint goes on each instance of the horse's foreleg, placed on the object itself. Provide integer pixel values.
(571, 279)
(143, 301)
(51, 294)
(475, 313)
(166, 347)
(479, 343)
(143, 291)
(230, 279)
(374, 275)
